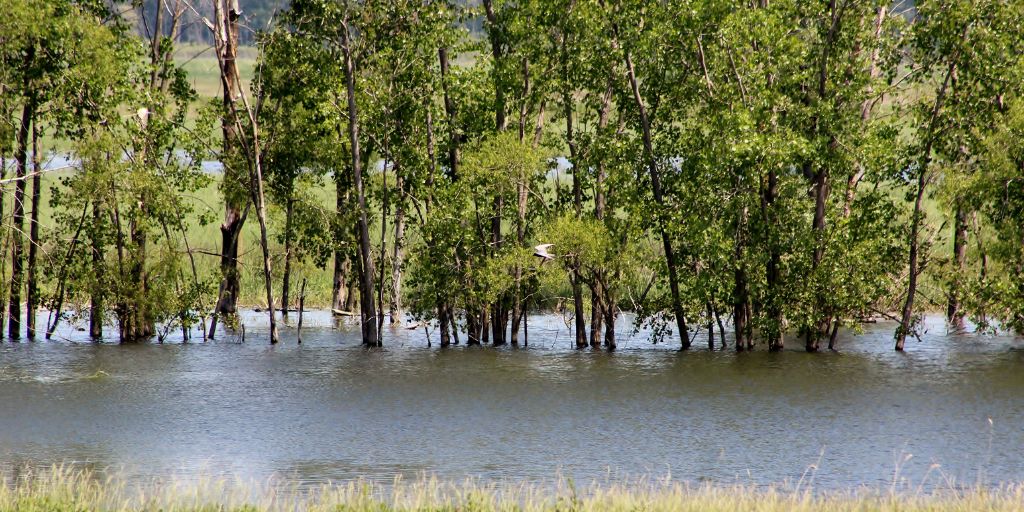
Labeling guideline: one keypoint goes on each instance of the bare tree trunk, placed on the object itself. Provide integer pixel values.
(227, 40)
(33, 244)
(18, 219)
(954, 314)
(233, 180)
(367, 308)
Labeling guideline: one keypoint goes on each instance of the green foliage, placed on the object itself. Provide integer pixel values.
(785, 135)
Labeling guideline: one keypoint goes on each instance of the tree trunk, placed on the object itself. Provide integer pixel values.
(518, 308)
(609, 325)
(472, 327)
(577, 307)
(398, 256)
(908, 306)
(954, 314)
(600, 203)
(234, 181)
(740, 294)
(498, 311)
(287, 277)
(135, 320)
(342, 262)
(443, 323)
(368, 311)
(652, 165)
(339, 287)
(96, 297)
(3, 258)
(577, 194)
(449, 110)
(907, 315)
(773, 331)
(495, 36)
(596, 317)
(821, 192)
(33, 244)
(18, 220)
(384, 210)
(711, 325)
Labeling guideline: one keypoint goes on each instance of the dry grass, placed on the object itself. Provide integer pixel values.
(62, 489)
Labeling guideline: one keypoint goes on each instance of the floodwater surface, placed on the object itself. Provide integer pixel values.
(949, 410)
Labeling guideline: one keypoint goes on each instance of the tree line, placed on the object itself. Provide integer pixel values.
(786, 168)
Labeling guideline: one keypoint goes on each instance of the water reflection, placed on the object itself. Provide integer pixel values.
(330, 410)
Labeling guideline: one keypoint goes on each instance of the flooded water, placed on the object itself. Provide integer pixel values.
(951, 409)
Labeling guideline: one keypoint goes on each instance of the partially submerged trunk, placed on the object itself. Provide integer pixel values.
(234, 179)
(33, 244)
(368, 311)
(398, 256)
(773, 330)
(97, 304)
(289, 211)
(659, 199)
(340, 284)
(600, 203)
(18, 220)
(577, 195)
(954, 313)
(740, 293)
(907, 315)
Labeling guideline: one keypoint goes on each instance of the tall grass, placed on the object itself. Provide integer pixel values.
(62, 489)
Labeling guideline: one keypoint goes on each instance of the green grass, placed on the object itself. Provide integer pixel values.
(205, 242)
(69, 490)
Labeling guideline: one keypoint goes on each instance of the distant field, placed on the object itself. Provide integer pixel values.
(205, 241)
(200, 63)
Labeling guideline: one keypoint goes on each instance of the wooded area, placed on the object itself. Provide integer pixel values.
(763, 169)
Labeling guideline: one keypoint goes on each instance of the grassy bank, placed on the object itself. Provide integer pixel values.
(61, 490)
